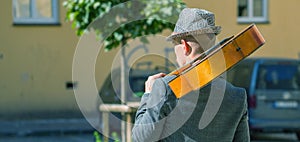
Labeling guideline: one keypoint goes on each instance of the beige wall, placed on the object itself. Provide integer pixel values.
(36, 61)
(281, 33)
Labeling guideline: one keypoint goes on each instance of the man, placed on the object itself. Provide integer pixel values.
(216, 112)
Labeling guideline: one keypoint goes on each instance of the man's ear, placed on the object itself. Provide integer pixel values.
(187, 48)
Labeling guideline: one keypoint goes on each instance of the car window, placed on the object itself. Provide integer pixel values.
(240, 76)
(137, 85)
(278, 77)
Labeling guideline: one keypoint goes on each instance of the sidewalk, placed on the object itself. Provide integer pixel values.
(87, 137)
(28, 127)
(50, 130)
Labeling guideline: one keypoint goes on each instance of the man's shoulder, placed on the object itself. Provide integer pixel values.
(234, 93)
(229, 89)
(162, 83)
(229, 86)
(168, 78)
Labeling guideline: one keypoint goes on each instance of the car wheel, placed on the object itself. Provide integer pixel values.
(298, 135)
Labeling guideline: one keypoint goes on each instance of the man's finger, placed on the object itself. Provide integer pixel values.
(151, 79)
(159, 75)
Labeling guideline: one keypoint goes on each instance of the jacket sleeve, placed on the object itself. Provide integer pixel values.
(149, 121)
(242, 131)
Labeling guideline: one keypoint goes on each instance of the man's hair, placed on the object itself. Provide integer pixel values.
(200, 43)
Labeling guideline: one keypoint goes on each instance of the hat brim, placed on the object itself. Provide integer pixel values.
(216, 30)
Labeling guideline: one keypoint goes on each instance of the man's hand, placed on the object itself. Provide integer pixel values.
(150, 81)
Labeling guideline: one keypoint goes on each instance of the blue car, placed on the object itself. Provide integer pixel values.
(273, 87)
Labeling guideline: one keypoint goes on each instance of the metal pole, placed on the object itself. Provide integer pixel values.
(105, 120)
(129, 126)
(123, 92)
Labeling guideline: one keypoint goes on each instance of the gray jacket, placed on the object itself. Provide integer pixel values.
(211, 114)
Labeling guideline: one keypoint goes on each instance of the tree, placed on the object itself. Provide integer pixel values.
(155, 16)
(127, 19)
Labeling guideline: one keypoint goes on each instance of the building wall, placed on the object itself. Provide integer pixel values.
(35, 64)
(36, 61)
(280, 32)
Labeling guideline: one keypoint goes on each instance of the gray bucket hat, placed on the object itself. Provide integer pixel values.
(194, 21)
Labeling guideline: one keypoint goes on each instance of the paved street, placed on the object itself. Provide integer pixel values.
(50, 130)
(88, 137)
(278, 137)
(50, 138)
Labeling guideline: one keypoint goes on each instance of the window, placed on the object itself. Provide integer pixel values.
(280, 77)
(252, 11)
(35, 11)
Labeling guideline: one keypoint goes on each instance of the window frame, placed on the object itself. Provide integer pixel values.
(256, 19)
(33, 20)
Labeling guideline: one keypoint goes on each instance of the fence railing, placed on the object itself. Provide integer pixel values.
(128, 110)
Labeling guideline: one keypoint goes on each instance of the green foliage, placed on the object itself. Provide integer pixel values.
(115, 137)
(97, 137)
(152, 17)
